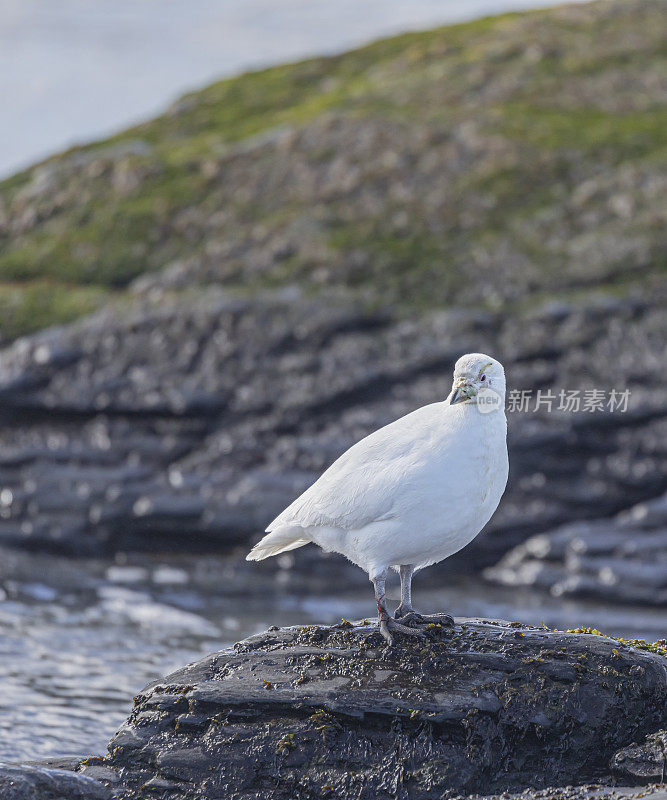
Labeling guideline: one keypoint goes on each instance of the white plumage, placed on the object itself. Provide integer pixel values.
(412, 493)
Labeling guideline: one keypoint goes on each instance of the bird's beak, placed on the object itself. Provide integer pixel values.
(461, 394)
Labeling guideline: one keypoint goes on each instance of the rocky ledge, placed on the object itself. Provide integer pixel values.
(619, 559)
(192, 424)
(484, 707)
(46, 782)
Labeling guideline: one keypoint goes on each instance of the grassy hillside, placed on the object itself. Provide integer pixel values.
(488, 163)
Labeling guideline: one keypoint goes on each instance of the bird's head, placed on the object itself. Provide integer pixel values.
(478, 377)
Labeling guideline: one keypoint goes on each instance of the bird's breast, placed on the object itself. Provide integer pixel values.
(472, 469)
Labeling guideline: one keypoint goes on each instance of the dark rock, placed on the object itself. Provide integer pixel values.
(295, 712)
(583, 792)
(190, 424)
(31, 782)
(622, 559)
(643, 762)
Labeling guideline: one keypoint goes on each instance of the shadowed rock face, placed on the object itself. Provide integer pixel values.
(191, 424)
(583, 792)
(486, 707)
(35, 782)
(620, 559)
(643, 762)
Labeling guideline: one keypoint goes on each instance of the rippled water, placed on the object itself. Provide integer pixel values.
(68, 672)
(75, 648)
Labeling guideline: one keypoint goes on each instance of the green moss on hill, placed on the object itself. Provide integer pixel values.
(30, 306)
(479, 163)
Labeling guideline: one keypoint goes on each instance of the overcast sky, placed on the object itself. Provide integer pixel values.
(75, 70)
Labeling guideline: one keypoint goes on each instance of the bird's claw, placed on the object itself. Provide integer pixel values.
(389, 624)
(414, 618)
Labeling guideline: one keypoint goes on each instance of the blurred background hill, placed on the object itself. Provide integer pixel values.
(499, 161)
(200, 313)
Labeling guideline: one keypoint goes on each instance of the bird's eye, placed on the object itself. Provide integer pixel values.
(482, 377)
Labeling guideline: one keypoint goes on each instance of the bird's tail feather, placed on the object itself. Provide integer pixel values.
(279, 541)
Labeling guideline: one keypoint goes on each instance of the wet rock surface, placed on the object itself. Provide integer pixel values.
(624, 558)
(643, 762)
(36, 782)
(189, 424)
(297, 712)
(584, 792)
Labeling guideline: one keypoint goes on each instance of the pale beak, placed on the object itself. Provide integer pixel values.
(461, 394)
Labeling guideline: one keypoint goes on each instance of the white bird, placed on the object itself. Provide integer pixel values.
(410, 494)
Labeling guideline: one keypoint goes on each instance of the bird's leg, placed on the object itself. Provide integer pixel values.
(387, 623)
(405, 612)
(406, 572)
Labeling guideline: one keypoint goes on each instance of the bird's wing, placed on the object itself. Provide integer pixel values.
(360, 487)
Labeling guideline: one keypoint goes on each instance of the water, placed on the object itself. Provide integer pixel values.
(78, 641)
(75, 70)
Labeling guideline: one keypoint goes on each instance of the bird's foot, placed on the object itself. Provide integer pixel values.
(413, 617)
(389, 624)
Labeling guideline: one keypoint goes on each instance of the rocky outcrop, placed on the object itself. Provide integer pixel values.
(191, 423)
(583, 792)
(624, 558)
(643, 762)
(36, 782)
(330, 711)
